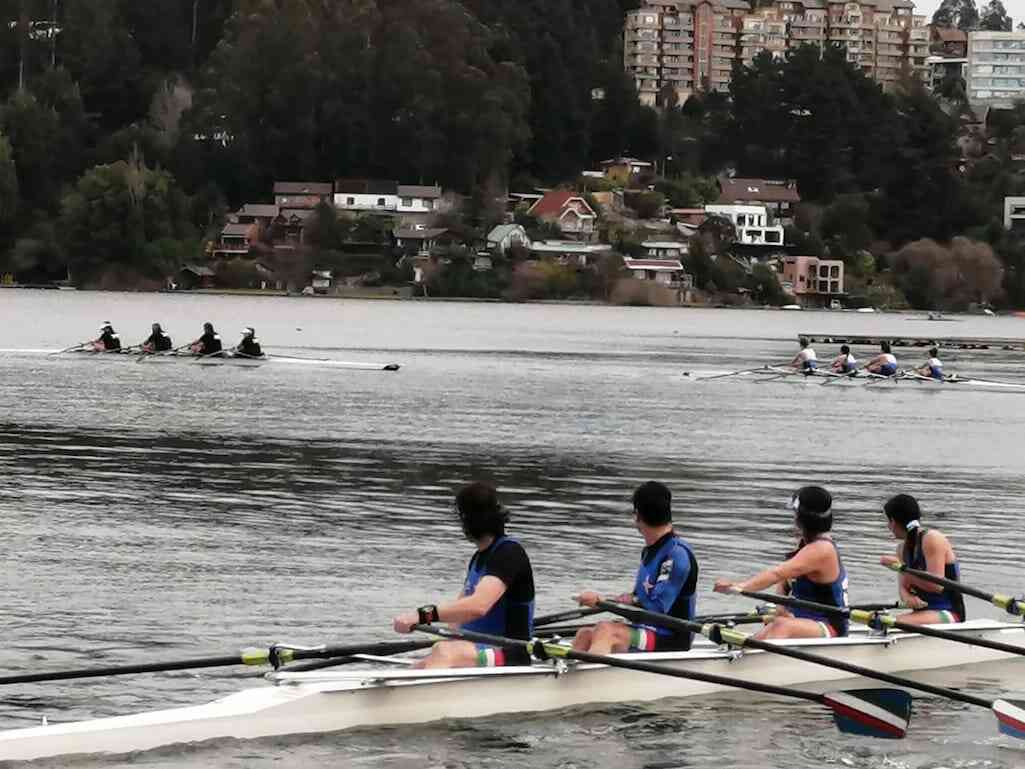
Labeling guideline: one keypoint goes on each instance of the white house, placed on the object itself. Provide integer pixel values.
(569, 251)
(417, 199)
(664, 272)
(367, 195)
(664, 249)
(505, 236)
(751, 223)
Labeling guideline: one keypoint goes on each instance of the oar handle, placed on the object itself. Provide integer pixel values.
(1008, 603)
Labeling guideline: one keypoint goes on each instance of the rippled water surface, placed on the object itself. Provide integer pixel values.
(162, 511)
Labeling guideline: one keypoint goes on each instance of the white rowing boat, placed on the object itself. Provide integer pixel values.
(905, 381)
(229, 359)
(326, 701)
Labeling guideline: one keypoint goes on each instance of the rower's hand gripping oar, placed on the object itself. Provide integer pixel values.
(876, 713)
(1010, 714)
(1013, 606)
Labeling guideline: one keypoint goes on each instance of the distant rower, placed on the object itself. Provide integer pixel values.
(157, 341)
(209, 343)
(934, 367)
(925, 550)
(885, 363)
(249, 345)
(844, 363)
(108, 339)
(805, 360)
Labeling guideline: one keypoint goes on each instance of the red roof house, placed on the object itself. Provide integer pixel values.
(568, 210)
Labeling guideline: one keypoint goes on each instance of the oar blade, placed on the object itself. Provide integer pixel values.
(1011, 717)
(883, 713)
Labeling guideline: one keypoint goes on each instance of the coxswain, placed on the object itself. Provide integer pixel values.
(157, 341)
(665, 583)
(933, 368)
(209, 344)
(885, 363)
(108, 339)
(805, 360)
(925, 550)
(497, 597)
(813, 572)
(844, 363)
(249, 345)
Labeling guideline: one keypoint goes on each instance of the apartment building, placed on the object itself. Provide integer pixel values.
(691, 45)
(996, 68)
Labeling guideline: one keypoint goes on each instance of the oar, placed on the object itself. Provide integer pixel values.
(872, 712)
(766, 367)
(78, 346)
(277, 655)
(1007, 603)
(878, 620)
(1010, 714)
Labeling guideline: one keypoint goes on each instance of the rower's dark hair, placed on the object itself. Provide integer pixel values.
(480, 512)
(934, 352)
(814, 510)
(653, 503)
(803, 341)
(208, 325)
(904, 509)
(884, 346)
(844, 349)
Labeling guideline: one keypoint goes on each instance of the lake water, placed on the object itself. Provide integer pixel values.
(164, 511)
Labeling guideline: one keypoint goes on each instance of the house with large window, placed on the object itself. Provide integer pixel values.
(569, 210)
(813, 281)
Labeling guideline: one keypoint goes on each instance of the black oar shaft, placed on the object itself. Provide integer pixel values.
(1009, 603)
(566, 616)
(870, 618)
(720, 634)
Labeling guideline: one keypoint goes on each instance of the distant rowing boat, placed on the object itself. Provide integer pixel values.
(325, 701)
(903, 381)
(228, 359)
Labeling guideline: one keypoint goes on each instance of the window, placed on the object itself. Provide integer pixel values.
(429, 205)
(823, 271)
(350, 201)
(407, 202)
(823, 286)
(380, 201)
(834, 287)
(834, 271)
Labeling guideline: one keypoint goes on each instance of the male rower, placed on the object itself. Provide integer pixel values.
(845, 362)
(885, 363)
(813, 572)
(209, 344)
(157, 341)
(497, 597)
(249, 345)
(805, 360)
(108, 339)
(925, 550)
(665, 583)
(933, 368)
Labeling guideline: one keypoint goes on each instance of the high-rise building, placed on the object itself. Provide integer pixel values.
(996, 68)
(691, 45)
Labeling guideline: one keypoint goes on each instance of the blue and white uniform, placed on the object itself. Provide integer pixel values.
(949, 603)
(888, 366)
(665, 583)
(831, 593)
(935, 368)
(807, 359)
(848, 363)
(512, 615)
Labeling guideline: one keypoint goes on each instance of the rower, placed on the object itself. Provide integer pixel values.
(933, 368)
(209, 344)
(249, 345)
(925, 550)
(813, 572)
(108, 339)
(805, 360)
(497, 597)
(844, 363)
(665, 583)
(885, 363)
(157, 341)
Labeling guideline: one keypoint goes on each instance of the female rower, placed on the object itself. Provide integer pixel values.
(813, 572)
(805, 360)
(926, 550)
(885, 363)
(933, 368)
(844, 363)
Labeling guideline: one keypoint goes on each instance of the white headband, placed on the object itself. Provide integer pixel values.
(911, 525)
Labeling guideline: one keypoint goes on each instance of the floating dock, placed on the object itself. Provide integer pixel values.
(943, 342)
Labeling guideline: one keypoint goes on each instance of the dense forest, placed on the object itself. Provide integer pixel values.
(128, 128)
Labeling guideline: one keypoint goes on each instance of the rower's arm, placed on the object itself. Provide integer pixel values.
(662, 597)
(806, 561)
(472, 607)
(935, 548)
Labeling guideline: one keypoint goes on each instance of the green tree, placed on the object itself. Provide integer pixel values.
(8, 189)
(994, 17)
(963, 14)
(33, 131)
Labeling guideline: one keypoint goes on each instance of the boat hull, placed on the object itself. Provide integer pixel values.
(901, 383)
(326, 702)
(233, 361)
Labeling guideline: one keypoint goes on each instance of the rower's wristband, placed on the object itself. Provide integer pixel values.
(428, 614)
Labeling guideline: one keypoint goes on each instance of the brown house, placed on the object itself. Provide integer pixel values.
(778, 197)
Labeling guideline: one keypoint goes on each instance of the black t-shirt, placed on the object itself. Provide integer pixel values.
(211, 343)
(250, 347)
(509, 562)
(159, 341)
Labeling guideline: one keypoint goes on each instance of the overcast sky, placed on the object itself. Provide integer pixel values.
(1015, 8)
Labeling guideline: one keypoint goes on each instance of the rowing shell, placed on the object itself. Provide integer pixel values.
(324, 701)
(238, 361)
(905, 382)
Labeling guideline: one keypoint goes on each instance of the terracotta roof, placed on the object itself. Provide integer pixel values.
(761, 190)
(553, 203)
(303, 188)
